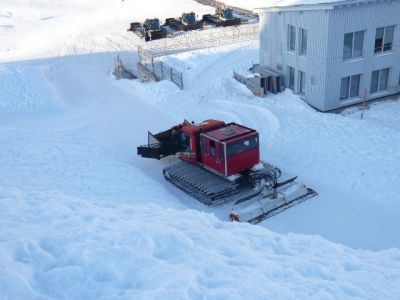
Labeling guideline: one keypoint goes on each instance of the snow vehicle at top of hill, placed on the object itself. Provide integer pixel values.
(220, 163)
(223, 17)
(187, 22)
(150, 30)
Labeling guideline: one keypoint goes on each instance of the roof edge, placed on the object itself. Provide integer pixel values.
(319, 6)
(297, 7)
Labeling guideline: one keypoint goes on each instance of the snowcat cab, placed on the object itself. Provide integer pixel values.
(223, 17)
(230, 149)
(186, 22)
(227, 14)
(189, 18)
(152, 24)
(149, 30)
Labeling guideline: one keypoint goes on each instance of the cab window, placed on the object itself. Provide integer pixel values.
(185, 140)
(242, 146)
(212, 148)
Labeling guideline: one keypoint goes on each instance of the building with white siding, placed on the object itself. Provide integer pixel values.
(334, 54)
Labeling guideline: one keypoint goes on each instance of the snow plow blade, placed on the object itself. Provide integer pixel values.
(258, 209)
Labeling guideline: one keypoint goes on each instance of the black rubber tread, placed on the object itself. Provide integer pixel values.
(212, 189)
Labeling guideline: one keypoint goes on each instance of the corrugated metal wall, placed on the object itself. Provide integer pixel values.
(365, 17)
(323, 64)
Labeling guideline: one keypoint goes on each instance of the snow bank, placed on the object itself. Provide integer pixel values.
(60, 246)
(26, 90)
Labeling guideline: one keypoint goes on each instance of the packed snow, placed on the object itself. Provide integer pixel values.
(43, 28)
(351, 162)
(82, 217)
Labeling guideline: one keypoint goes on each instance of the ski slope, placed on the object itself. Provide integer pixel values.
(82, 217)
(43, 28)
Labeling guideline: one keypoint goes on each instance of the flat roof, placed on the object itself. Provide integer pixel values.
(298, 5)
(229, 132)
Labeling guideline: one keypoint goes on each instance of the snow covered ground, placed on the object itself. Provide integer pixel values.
(82, 217)
(43, 28)
(352, 163)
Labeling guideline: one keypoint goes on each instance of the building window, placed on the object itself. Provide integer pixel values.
(379, 80)
(384, 39)
(291, 38)
(353, 45)
(350, 87)
(302, 83)
(302, 41)
(291, 78)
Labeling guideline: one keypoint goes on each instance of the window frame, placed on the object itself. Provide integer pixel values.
(290, 68)
(291, 38)
(302, 78)
(381, 49)
(349, 87)
(302, 49)
(353, 43)
(379, 83)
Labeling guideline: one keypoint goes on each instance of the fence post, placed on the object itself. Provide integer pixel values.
(181, 81)
(162, 69)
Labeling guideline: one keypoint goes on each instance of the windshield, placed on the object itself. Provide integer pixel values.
(242, 146)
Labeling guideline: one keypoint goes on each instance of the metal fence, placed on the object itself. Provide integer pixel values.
(159, 69)
(190, 41)
(195, 40)
(239, 10)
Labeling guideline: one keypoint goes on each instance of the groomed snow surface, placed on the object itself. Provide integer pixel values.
(82, 217)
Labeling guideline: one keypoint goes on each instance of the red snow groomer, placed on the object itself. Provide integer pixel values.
(220, 163)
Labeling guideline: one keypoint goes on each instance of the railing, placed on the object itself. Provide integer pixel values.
(159, 69)
(190, 41)
(196, 40)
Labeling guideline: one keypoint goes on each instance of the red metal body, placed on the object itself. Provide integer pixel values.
(191, 138)
(226, 148)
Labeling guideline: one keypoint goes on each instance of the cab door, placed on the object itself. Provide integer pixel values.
(212, 153)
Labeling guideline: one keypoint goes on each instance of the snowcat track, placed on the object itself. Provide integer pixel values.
(212, 189)
(200, 183)
(311, 193)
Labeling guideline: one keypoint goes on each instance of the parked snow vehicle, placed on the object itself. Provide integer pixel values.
(223, 17)
(149, 30)
(187, 22)
(220, 163)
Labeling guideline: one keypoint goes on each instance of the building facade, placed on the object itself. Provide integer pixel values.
(334, 54)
